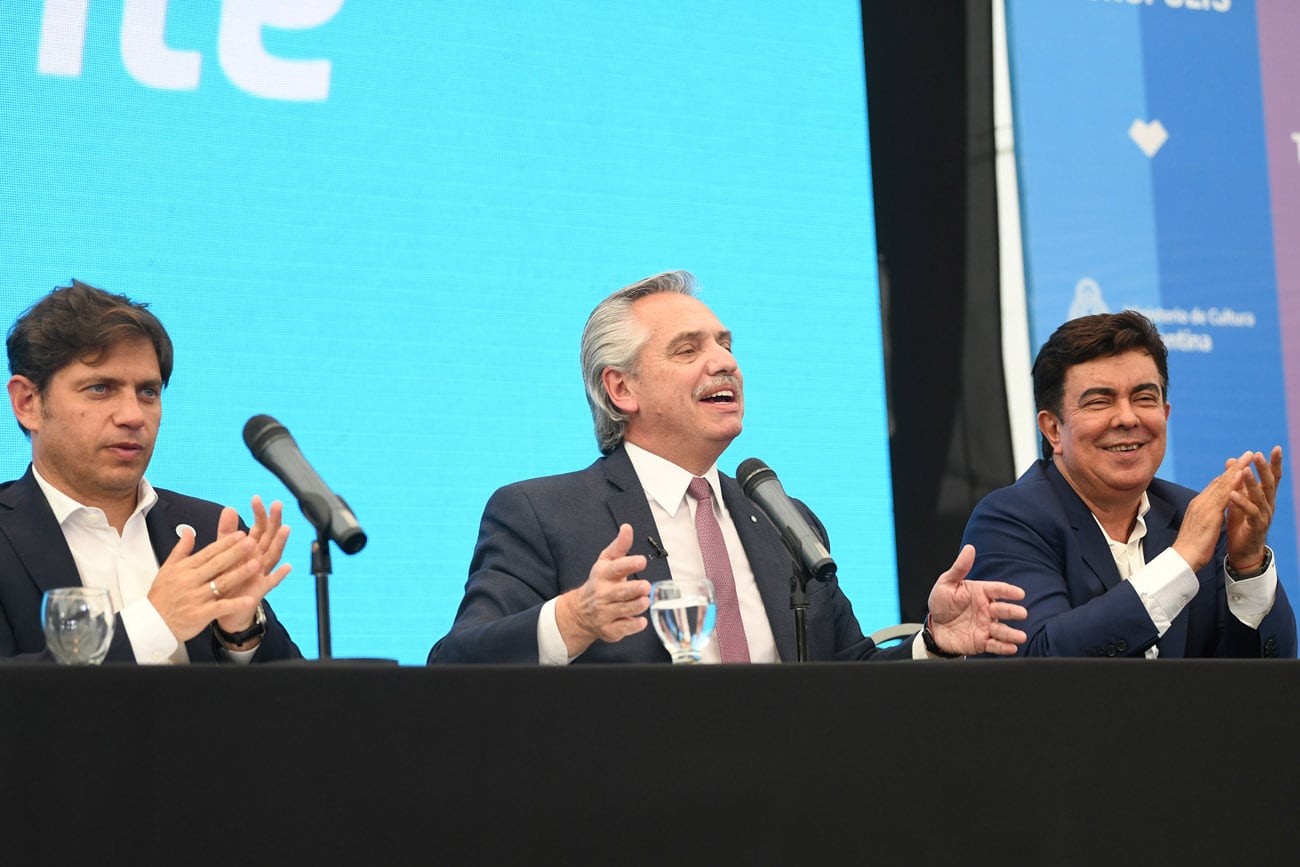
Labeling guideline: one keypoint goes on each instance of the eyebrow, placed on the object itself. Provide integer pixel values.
(686, 336)
(1111, 392)
(83, 381)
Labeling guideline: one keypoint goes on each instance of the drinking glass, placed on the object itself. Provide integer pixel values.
(683, 613)
(78, 624)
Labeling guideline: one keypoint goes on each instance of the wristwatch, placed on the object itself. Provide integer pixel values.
(931, 645)
(235, 639)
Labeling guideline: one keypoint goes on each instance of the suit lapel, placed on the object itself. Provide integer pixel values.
(27, 520)
(628, 505)
(1092, 541)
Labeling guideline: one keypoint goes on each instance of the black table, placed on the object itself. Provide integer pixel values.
(986, 762)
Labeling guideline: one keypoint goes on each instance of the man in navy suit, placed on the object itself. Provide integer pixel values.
(1113, 561)
(563, 565)
(187, 581)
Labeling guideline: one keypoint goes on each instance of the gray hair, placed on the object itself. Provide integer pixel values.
(613, 338)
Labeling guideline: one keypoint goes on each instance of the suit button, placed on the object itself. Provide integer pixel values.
(1121, 645)
(1270, 648)
(1110, 650)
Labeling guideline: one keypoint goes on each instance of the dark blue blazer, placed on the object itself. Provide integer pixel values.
(34, 557)
(1040, 535)
(539, 538)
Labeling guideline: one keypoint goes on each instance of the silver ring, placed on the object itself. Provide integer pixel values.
(212, 585)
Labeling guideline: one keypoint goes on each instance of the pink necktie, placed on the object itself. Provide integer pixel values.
(730, 629)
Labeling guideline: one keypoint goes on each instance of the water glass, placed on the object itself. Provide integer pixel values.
(683, 613)
(78, 624)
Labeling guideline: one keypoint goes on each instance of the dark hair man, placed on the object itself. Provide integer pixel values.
(1113, 561)
(187, 581)
(554, 579)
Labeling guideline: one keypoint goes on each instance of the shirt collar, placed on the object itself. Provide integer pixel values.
(65, 507)
(663, 480)
(1139, 526)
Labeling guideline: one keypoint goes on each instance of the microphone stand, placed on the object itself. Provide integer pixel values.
(799, 602)
(320, 567)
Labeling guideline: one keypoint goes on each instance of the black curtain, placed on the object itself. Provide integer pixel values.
(929, 74)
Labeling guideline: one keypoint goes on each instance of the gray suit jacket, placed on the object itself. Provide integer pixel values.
(34, 557)
(539, 538)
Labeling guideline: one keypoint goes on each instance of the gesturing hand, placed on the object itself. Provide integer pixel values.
(269, 536)
(182, 593)
(965, 616)
(1250, 508)
(607, 607)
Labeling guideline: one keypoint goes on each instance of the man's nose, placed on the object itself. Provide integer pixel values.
(129, 412)
(1125, 416)
(721, 360)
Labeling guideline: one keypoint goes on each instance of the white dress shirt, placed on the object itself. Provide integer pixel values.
(126, 566)
(1167, 584)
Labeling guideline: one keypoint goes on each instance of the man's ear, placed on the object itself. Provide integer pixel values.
(26, 402)
(618, 385)
(1050, 426)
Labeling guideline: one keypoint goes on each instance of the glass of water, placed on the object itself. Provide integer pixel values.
(78, 624)
(682, 613)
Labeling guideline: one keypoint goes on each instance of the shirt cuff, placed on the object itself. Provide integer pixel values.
(551, 649)
(151, 641)
(1251, 599)
(1165, 586)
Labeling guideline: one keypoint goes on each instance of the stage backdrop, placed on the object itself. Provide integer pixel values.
(384, 224)
(1158, 148)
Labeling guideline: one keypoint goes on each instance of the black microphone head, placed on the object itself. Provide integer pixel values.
(259, 430)
(750, 473)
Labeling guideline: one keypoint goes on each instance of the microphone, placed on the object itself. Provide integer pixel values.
(274, 448)
(762, 486)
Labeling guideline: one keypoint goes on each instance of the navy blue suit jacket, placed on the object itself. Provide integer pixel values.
(34, 557)
(1040, 535)
(539, 538)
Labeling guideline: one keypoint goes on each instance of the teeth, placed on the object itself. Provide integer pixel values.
(1126, 448)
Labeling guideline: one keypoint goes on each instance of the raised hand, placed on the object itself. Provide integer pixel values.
(269, 536)
(1250, 508)
(966, 616)
(191, 589)
(608, 606)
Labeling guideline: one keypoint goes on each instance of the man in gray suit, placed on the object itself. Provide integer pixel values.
(563, 565)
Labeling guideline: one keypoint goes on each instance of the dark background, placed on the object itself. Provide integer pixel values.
(929, 69)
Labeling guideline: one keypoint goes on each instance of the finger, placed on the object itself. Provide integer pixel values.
(249, 579)
(1001, 648)
(1267, 481)
(628, 626)
(999, 590)
(625, 610)
(274, 549)
(960, 567)
(228, 522)
(259, 512)
(222, 556)
(1008, 611)
(620, 546)
(1275, 463)
(183, 547)
(617, 570)
(625, 591)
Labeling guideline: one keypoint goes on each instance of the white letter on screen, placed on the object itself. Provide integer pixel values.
(63, 36)
(145, 52)
(246, 61)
